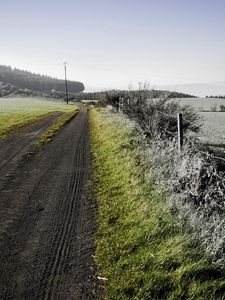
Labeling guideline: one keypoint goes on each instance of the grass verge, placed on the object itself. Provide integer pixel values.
(52, 130)
(142, 249)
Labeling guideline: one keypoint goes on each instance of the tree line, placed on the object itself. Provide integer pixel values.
(114, 95)
(218, 97)
(42, 83)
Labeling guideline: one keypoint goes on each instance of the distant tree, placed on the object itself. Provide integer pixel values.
(222, 107)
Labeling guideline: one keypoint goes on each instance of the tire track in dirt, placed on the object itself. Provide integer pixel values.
(59, 247)
(46, 243)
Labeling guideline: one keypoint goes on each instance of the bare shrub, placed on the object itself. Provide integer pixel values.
(158, 117)
(153, 111)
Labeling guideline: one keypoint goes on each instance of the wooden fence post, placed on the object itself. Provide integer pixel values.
(180, 131)
(120, 104)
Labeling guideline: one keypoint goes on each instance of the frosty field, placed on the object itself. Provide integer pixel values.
(213, 128)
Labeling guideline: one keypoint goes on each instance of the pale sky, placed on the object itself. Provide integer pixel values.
(112, 43)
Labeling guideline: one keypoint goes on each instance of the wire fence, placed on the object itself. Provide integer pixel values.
(190, 140)
(193, 141)
(205, 133)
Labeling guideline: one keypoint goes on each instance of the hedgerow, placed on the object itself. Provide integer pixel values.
(195, 186)
(144, 250)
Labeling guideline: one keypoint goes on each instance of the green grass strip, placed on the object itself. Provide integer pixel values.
(51, 132)
(142, 249)
(18, 112)
(21, 123)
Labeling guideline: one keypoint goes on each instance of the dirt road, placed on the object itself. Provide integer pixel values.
(47, 220)
(16, 145)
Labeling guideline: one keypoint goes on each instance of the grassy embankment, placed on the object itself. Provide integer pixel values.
(17, 112)
(143, 250)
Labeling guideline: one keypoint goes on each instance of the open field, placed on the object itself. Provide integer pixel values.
(19, 111)
(213, 129)
(201, 104)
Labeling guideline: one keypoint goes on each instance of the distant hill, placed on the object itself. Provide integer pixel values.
(198, 89)
(14, 79)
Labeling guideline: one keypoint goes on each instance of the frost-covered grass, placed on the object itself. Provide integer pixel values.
(144, 249)
(196, 190)
(19, 111)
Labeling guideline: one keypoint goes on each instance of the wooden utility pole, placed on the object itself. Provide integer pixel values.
(67, 98)
(180, 131)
